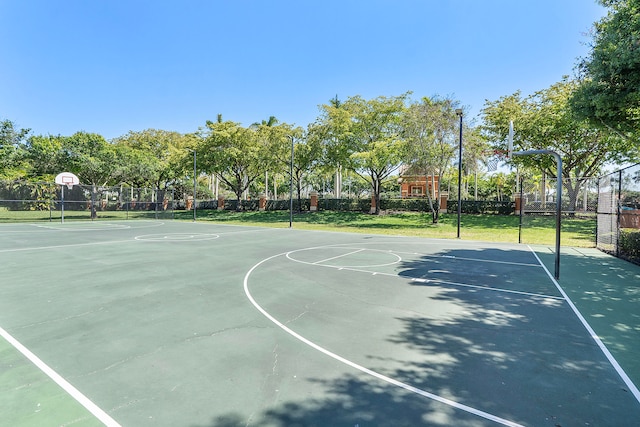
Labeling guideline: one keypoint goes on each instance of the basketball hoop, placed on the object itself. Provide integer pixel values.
(68, 179)
(494, 158)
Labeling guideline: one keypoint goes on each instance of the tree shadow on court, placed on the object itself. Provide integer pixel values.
(520, 357)
(606, 290)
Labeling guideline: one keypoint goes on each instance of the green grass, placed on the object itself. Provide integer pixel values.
(70, 215)
(492, 228)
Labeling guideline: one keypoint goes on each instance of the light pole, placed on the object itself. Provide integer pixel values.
(291, 186)
(459, 114)
(194, 185)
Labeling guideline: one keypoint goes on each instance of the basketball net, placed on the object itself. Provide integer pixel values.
(492, 164)
(494, 158)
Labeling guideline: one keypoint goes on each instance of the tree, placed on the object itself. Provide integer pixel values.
(233, 152)
(91, 157)
(366, 137)
(153, 157)
(476, 151)
(270, 136)
(12, 142)
(45, 156)
(307, 151)
(610, 93)
(429, 128)
(544, 120)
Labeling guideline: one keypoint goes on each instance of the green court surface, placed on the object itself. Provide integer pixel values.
(151, 323)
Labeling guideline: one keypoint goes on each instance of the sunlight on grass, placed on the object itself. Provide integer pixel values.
(491, 228)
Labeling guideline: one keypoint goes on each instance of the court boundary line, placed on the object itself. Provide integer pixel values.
(361, 368)
(415, 279)
(321, 262)
(623, 375)
(34, 227)
(76, 394)
(491, 261)
(133, 239)
(40, 248)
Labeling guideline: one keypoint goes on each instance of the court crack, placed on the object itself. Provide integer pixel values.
(197, 336)
(296, 318)
(61, 319)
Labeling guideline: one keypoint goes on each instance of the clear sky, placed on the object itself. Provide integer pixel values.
(111, 66)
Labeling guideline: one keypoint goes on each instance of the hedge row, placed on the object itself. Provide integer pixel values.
(629, 244)
(364, 205)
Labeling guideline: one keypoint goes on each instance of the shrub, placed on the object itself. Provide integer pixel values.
(629, 244)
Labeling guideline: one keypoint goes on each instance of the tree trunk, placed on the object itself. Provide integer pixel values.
(573, 191)
(376, 195)
(94, 192)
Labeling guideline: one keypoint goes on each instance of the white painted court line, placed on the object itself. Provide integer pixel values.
(64, 384)
(444, 282)
(361, 368)
(632, 387)
(487, 288)
(254, 230)
(416, 279)
(490, 261)
(100, 225)
(339, 256)
(41, 248)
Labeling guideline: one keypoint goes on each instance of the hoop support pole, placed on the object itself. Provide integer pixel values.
(558, 199)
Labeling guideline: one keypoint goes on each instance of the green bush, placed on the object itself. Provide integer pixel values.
(413, 205)
(482, 207)
(629, 243)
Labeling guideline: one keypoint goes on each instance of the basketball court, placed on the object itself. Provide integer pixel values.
(149, 323)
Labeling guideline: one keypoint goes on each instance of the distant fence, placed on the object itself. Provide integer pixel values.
(37, 201)
(579, 196)
(618, 213)
(20, 200)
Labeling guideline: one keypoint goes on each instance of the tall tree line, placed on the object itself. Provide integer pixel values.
(590, 120)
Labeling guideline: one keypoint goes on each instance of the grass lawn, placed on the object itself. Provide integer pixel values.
(71, 215)
(493, 228)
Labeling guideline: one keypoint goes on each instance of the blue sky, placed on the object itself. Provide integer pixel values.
(111, 66)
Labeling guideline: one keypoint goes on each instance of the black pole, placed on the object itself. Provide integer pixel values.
(558, 200)
(194, 185)
(291, 187)
(459, 113)
(521, 211)
(617, 202)
(558, 214)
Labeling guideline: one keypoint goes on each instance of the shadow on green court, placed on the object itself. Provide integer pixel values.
(606, 290)
(522, 358)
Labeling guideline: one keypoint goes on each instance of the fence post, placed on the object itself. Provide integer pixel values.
(518, 200)
(314, 201)
(444, 198)
(617, 201)
(262, 204)
(220, 203)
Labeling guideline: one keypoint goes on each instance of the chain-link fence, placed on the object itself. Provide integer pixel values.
(538, 209)
(619, 213)
(579, 196)
(38, 201)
